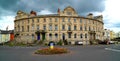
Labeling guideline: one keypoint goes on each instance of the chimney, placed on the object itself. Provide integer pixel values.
(90, 15)
(58, 11)
(33, 13)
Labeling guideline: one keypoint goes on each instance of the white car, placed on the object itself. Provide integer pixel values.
(78, 43)
(111, 42)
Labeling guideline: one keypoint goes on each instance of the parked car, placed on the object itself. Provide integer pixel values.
(111, 42)
(78, 43)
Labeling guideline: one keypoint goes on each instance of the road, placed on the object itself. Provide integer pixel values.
(78, 53)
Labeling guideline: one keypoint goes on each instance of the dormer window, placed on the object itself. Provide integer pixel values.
(69, 13)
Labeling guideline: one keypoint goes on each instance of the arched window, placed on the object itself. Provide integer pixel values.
(56, 35)
(50, 36)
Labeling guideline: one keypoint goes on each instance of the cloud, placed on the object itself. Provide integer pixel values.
(10, 7)
(81, 6)
(111, 15)
(44, 12)
(7, 21)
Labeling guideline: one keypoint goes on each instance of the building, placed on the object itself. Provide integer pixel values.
(117, 34)
(106, 34)
(6, 36)
(112, 35)
(65, 25)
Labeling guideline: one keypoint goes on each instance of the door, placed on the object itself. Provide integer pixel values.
(43, 36)
(38, 37)
(63, 36)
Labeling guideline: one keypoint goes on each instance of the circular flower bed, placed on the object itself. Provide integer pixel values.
(48, 51)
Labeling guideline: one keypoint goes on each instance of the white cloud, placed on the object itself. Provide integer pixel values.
(111, 14)
(7, 21)
(45, 12)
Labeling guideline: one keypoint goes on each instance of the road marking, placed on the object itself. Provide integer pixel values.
(116, 50)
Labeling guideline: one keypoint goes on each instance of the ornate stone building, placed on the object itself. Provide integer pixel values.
(65, 25)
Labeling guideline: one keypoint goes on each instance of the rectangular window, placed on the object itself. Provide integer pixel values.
(89, 28)
(81, 36)
(80, 20)
(44, 20)
(50, 27)
(63, 27)
(50, 19)
(56, 19)
(85, 28)
(22, 28)
(85, 21)
(63, 20)
(56, 27)
(32, 27)
(68, 19)
(74, 19)
(75, 35)
(85, 35)
(28, 28)
(44, 27)
(69, 27)
(28, 21)
(37, 27)
(32, 20)
(69, 13)
(81, 28)
(75, 28)
(69, 35)
(38, 20)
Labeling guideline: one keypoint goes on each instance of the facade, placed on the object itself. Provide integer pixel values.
(117, 34)
(65, 25)
(6, 36)
(112, 35)
(107, 34)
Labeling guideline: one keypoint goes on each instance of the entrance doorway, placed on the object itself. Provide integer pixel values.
(63, 36)
(38, 36)
(43, 36)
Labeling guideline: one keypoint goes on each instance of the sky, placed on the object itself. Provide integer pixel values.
(108, 8)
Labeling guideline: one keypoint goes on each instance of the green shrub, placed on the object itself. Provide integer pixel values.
(60, 42)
